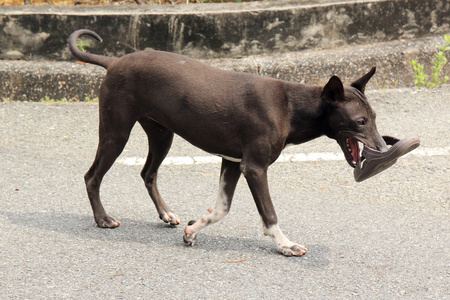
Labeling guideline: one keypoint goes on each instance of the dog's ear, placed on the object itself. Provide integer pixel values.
(360, 84)
(333, 91)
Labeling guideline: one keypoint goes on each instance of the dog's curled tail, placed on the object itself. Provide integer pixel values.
(103, 61)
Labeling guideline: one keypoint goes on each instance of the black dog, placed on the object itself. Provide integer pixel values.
(244, 118)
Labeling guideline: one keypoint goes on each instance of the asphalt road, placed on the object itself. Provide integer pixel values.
(385, 238)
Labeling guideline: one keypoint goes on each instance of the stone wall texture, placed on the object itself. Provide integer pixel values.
(41, 33)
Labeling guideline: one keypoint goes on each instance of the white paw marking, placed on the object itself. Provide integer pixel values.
(284, 245)
(218, 213)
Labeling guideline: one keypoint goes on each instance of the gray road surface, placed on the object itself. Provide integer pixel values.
(385, 238)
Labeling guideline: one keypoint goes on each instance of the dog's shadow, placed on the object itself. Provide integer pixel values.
(139, 231)
(130, 230)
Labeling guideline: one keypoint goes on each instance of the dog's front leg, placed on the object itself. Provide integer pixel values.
(229, 176)
(257, 181)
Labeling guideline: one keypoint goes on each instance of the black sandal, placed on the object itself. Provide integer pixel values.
(373, 161)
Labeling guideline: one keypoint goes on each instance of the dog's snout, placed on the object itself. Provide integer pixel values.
(381, 144)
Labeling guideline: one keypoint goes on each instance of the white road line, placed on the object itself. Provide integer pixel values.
(284, 158)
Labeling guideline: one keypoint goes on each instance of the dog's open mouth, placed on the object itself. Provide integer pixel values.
(367, 161)
(353, 154)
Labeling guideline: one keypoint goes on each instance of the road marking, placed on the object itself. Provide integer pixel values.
(284, 158)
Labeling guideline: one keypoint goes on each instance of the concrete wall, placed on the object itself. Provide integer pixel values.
(203, 31)
(32, 81)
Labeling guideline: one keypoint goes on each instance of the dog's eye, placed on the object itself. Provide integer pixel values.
(361, 122)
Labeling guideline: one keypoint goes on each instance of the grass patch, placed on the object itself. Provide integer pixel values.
(421, 78)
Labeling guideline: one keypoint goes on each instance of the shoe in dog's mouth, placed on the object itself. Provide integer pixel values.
(356, 149)
(374, 161)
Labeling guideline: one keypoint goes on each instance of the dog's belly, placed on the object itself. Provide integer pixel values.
(212, 137)
(229, 149)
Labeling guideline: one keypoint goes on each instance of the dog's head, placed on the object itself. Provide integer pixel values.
(350, 119)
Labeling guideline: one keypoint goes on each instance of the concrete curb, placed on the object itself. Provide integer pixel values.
(335, 37)
(32, 81)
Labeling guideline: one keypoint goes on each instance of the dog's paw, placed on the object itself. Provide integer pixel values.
(107, 222)
(294, 250)
(171, 218)
(189, 235)
(189, 239)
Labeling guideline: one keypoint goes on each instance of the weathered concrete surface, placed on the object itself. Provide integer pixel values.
(211, 31)
(33, 81)
(24, 80)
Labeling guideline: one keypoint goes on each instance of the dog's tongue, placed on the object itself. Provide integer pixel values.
(355, 150)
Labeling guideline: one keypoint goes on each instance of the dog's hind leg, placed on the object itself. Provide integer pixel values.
(229, 176)
(114, 131)
(159, 142)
